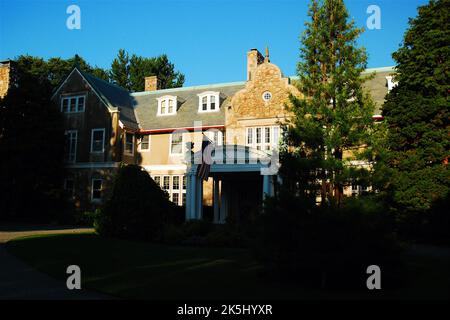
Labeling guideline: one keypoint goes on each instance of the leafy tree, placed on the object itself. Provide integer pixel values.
(31, 146)
(336, 113)
(417, 112)
(54, 70)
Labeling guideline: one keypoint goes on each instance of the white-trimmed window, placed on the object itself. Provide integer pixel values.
(73, 104)
(263, 138)
(70, 153)
(98, 140)
(215, 135)
(176, 143)
(145, 143)
(129, 143)
(96, 189)
(360, 189)
(167, 105)
(174, 185)
(208, 101)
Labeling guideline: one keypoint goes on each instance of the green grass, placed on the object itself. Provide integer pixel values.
(141, 270)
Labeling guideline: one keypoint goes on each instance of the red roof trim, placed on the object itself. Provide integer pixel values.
(167, 130)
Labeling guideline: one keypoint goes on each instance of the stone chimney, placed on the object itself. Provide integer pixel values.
(5, 77)
(152, 83)
(254, 58)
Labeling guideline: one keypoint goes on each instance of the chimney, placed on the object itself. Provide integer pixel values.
(152, 83)
(254, 58)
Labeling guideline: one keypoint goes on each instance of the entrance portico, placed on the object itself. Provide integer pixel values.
(241, 180)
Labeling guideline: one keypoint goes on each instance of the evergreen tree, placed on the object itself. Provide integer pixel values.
(120, 70)
(417, 112)
(335, 115)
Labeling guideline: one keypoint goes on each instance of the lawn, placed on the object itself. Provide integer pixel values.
(129, 269)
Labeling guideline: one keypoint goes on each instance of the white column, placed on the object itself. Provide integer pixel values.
(199, 198)
(188, 195)
(192, 196)
(265, 186)
(216, 199)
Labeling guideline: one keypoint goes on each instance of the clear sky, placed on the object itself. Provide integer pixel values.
(206, 39)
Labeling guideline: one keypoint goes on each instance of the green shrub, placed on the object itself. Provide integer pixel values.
(173, 234)
(225, 236)
(198, 228)
(326, 246)
(137, 209)
(86, 218)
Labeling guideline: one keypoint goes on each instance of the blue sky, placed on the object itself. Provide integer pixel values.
(206, 39)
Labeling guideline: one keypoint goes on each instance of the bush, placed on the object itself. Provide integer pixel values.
(137, 209)
(226, 236)
(325, 246)
(86, 218)
(173, 234)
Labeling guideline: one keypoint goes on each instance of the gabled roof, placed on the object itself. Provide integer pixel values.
(113, 96)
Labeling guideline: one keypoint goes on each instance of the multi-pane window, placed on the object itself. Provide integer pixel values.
(72, 104)
(209, 101)
(71, 146)
(213, 102)
(145, 142)
(263, 138)
(176, 183)
(359, 189)
(129, 143)
(96, 193)
(166, 183)
(176, 143)
(216, 136)
(97, 140)
(205, 103)
(175, 186)
(167, 105)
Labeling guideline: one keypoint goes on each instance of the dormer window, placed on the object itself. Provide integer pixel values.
(167, 105)
(209, 101)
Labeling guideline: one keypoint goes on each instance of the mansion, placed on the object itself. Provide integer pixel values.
(106, 125)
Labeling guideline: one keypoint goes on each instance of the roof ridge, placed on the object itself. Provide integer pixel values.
(198, 87)
(104, 81)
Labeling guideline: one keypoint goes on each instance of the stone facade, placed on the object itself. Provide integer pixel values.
(5, 76)
(248, 106)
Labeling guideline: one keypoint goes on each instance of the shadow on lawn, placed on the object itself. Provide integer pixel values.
(142, 270)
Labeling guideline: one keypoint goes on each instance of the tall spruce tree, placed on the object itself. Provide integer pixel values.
(335, 116)
(417, 111)
(120, 70)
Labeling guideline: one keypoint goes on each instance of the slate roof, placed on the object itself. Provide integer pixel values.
(146, 106)
(138, 110)
(115, 97)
